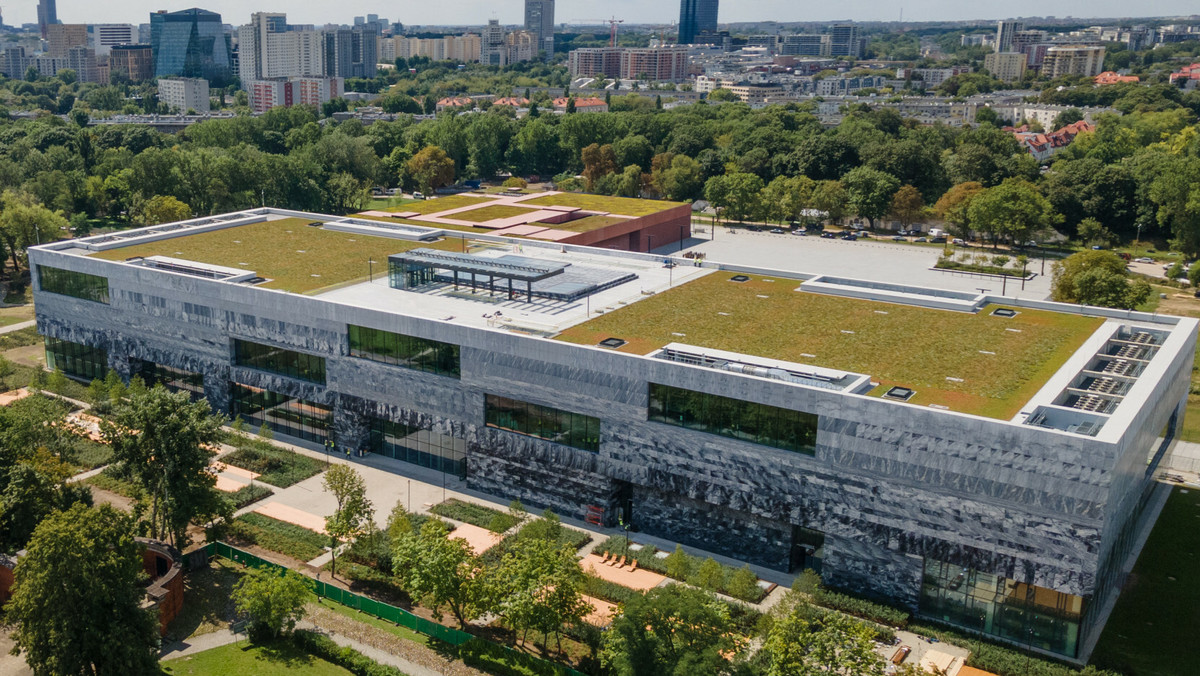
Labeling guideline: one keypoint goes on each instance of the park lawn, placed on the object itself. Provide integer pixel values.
(626, 206)
(485, 214)
(295, 257)
(439, 204)
(1151, 631)
(895, 344)
(15, 315)
(359, 616)
(278, 536)
(282, 658)
(393, 201)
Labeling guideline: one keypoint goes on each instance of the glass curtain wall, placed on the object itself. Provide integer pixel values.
(418, 446)
(743, 420)
(278, 360)
(420, 354)
(563, 427)
(286, 415)
(997, 606)
(75, 360)
(74, 284)
(175, 380)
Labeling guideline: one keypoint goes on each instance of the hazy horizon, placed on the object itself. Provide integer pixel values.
(477, 12)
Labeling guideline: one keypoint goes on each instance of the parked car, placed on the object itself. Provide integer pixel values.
(828, 235)
(801, 232)
(418, 196)
(922, 239)
(753, 228)
(938, 240)
(777, 231)
(850, 237)
(898, 238)
(958, 242)
(1143, 259)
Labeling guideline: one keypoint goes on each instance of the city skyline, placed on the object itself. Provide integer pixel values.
(474, 12)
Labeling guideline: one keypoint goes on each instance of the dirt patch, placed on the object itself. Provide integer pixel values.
(103, 497)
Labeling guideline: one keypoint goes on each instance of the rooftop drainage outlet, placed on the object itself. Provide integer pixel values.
(899, 393)
(739, 278)
(1004, 312)
(612, 342)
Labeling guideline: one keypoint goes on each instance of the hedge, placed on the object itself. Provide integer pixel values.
(346, 657)
(476, 515)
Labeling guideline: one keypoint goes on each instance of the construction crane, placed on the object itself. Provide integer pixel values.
(612, 30)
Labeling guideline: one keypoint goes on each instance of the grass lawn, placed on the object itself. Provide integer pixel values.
(207, 606)
(446, 203)
(295, 257)
(589, 223)
(276, 466)
(359, 616)
(494, 520)
(484, 214)
(387, 202)
(245, 659)
(625, 206)
(15, 315)
(278, 536)
(895, 344)
(20, 338)
(1152, 629)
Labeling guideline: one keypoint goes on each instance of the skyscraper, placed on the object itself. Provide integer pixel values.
(695, 17)
(190, 43)
(1005, 30)
(539, 20)
(47, 14)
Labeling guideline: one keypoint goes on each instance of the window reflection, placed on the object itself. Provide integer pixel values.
(74, 284)
(286, 415)
(744, 420)
(563, 427)
(420, 447)
(420, 354)
(278, 360)
(78, 361)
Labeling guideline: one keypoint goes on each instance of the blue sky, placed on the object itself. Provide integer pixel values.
(634, 11)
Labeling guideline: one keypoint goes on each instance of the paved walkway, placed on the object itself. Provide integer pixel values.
(18, 326)
(380, 656)
(198, 644)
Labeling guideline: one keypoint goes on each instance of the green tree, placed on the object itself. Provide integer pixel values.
(24, 222)
(785, 198)
(442, 571)
(1097, 278)
(354, 514)
(870, 192)
(736, 195)
(431, 169)
(1068, 116)
(163, 439)
(77, 597)
(710, 575)
(537, 586)
(161, 209)
(674, 629)
(678, 564)
(831, 197)
(1014, 209)
(954, 207)
(721, 95)
(29, 492)
(907, 205)
(743, 584)
(273, 599)
(804, 642)
(598, 161)
(676, 177)
(1092, 232)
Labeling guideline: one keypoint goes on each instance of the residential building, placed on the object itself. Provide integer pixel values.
(1005, 30)
(512, 101)
(667, 63)
(1005, 66)
(752, 92)
(64, 36)
(806, 44)
(1004, 499)
(932, 77)
(455, 102)
(191, 43)
(539, 20)
(520, 46)
(695, 17)
(1108, 77)
(135, 62)
(464, 48)
(844, 40)
(352, 52)
(1186, 77)
(47, 16)
(184, 94)
(103, 37)
(312, 91)
(268, 48)
(835, 86)
(1022, 40)
(1073, 60)
(1043, 145)
(492, 49)
(13, 62)
(81, 60)
(587, 104)
(594, 61)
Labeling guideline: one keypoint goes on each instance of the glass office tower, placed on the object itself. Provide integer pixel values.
(695, 17)
(191, 43)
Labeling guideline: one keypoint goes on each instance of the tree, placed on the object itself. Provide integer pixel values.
(988, 116)
(163, 439)
(598, 161)
(1092, 232)
(515, 182)
(907, 205)
(431, 168)
(161, 209)
(1097, 278)
(721, 94)
(570, 105)
(635, 149)
(870, 192)
(674, 629)
(442, 571)
(31, 491)
(806, 642)
(273, 599)
(710, 575)
(1013, 209)
(831, 197)
(354, 514)
(24, 222)
(785, 198)
(1068, 116)
(676, 177)
(537, 585)
(77, 597)
(954, 207)
(736, 195)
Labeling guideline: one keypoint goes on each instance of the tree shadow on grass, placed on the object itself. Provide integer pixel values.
(284, 653)
(206, 600)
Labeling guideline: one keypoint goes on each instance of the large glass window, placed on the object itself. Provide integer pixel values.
(994, 605)
(551, 424)
(278, 360)
(733, 418)
(75, 360)
(74, 284)
(286, 415)
(421, 354)
(175, 380)
(418, 446)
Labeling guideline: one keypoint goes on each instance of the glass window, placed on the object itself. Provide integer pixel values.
(420, 447)
(278, 360)
(419, 354)
(76, 360)
(175, 380)
(552, 424)
(74, 284)
(285, 415)
(743, 420)
(1021, 613)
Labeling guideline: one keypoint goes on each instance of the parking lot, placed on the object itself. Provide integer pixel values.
(878, 259)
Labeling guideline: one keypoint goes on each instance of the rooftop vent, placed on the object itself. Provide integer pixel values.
(899, 393)
(739, 278)
(612, 342)
(315, 224)
(1004, 312)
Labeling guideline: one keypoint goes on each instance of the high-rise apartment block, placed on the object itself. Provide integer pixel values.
(184, 94)
(313, 91)
(352, 52)
(464, 48)
(695, 17)
(493, 51)
(63, 36)
(539, 20)
(190, 43)
(844, 40)
(135, 62)
(1073, 60)
(805, 44)
(47, 15)
(668, 63)
(1005, 30)
(102, 37)
(268, 49)
(1005, 66)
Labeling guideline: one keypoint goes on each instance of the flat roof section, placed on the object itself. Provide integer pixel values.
(507, 266)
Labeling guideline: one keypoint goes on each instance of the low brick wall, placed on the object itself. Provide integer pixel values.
(163, 563)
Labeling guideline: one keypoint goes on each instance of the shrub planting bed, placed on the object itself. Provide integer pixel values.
(704, 573)
(477, 515)
(275, 466)
(278, 536)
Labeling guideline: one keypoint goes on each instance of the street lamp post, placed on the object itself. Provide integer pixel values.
(370, 269)
(681, 236)
(1137, 242)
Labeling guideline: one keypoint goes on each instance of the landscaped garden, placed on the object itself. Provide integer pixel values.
(479, 515)
(973, 363)
(439, 204)
(276, 466)
(277, 536)
(679, 565)
(484, 214)
(625, 206)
